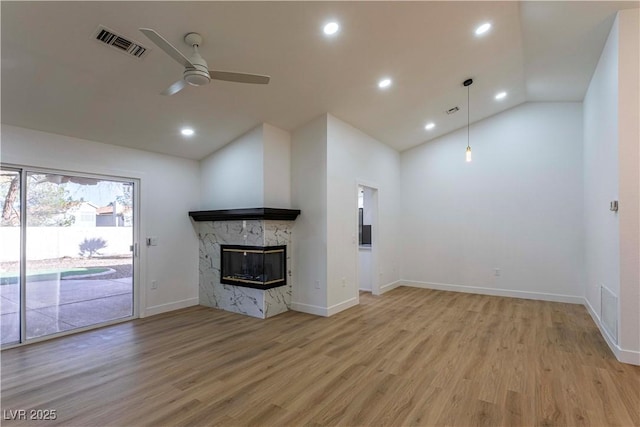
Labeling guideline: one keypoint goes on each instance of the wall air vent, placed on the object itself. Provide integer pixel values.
(119, 43)
(453, 110)
(609, 312)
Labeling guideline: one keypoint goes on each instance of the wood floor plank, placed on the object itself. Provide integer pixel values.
(410, 357)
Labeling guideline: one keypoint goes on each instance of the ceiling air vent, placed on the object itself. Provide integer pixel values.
(120, 43)
(453, 110)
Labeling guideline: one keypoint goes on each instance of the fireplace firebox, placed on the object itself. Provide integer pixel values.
(259, 267)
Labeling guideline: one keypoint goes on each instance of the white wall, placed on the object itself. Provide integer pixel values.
(355, 158)
(629, 189)
(517, 207)
(612, 135)
(233, 176)
(329, 159)
(169, 189)
(252, 171)
(277, 167)
(309, 194)
(601, 226)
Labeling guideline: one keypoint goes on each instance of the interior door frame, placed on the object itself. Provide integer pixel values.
(137, 303)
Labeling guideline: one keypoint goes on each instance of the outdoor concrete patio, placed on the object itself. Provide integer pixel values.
(61, 305)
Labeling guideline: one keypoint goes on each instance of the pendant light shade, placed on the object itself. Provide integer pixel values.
(468, 83)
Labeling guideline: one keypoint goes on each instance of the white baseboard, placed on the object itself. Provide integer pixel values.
(628, 356)
(324, 311)
(494, 291)
(390, 286)
(625, 356)
(337, 308)
(163, 308)
(316, 310)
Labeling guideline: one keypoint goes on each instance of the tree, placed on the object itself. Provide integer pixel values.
(126, 198)
(10, 211)
(48, 203)
(126, 201)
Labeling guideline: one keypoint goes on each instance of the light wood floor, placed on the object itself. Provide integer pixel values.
(410, 357)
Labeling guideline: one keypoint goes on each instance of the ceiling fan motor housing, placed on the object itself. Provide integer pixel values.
(199, 75)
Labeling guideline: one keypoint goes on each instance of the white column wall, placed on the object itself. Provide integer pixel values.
(629, 181)
(601, 226)
(353, 158)
(612, 156)
(309, 194)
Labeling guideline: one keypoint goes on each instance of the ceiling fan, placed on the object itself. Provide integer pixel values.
(196, 72)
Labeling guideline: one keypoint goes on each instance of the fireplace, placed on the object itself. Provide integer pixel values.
(262, 287)
(259, 267)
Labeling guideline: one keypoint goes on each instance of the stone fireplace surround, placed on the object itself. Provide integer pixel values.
(250, 227)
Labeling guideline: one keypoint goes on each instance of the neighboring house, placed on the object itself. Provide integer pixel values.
(84, 214)
(114, 215)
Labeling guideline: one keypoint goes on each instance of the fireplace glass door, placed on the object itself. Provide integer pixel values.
(253, 266)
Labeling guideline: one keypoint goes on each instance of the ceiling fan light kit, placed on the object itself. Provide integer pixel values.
(199, 74)
(196, 71)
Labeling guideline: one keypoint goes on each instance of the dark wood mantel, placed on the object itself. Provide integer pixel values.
(250, 213)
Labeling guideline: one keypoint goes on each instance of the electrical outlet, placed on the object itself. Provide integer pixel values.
(496, 272)
(344, 282)
(154, 284)
(317, 284)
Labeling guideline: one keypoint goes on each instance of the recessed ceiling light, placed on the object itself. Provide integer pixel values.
(501, 95)
(483, 29)
(429, 126)
(384, 83)
(187, 131)
(331, 28)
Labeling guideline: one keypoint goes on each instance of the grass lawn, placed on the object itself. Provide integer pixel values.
(55, 274)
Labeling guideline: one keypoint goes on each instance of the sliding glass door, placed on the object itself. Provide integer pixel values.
(10, 273)
(69, 260)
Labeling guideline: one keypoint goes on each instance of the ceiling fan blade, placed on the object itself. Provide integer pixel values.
(163, 44)
(174, 88)
(231, 76)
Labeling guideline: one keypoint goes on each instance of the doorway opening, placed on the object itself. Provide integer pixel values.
(67, 258)
(367, 239)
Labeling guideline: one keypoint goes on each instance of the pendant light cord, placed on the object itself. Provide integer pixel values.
(468, 120)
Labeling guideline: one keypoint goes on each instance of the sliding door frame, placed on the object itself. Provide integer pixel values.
(23, 170)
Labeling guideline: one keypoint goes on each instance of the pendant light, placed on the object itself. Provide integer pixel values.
(468, 83)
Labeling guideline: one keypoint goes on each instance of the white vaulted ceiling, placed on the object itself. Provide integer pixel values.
(57, 79)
